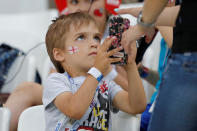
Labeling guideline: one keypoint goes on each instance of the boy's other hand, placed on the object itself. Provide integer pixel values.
(131, 51)
(103, 59)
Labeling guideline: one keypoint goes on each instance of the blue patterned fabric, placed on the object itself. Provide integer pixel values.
(164, 54)
(8, 55)
(163, 58)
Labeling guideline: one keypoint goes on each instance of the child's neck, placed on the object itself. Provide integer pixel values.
(75, 73)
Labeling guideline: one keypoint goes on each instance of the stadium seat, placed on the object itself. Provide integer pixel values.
(32, 119)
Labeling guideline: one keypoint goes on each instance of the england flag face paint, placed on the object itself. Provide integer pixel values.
(73, 49)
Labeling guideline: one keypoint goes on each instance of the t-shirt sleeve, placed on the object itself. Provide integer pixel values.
(113, 90)
(54, 85)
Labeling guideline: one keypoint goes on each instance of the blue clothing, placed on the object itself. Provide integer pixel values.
(164, 53)
(145, 118)
(8, 55)
(176, 104)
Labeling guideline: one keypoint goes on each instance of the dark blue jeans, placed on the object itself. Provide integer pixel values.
(176, 104)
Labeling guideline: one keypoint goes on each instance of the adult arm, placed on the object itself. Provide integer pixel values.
(166, 18)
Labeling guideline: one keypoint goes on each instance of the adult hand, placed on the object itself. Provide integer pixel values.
(132, 51)
(134, 33)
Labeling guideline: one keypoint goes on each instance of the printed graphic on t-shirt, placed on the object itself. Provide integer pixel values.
(98, 118)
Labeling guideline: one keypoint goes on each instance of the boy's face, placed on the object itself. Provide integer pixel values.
(81, 46)
(96, 10)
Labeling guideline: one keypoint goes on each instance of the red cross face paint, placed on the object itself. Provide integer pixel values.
(73, 49)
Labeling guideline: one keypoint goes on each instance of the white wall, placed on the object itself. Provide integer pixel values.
(20, 6)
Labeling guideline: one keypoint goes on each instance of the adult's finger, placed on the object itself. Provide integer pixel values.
(132, 11)
(123, 11)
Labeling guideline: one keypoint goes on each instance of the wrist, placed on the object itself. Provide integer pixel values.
(95, 73)
(141, 22)
(112, 74)
(130, 65)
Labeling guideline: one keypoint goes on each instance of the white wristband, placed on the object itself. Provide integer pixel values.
(95, 73)
(112, 75)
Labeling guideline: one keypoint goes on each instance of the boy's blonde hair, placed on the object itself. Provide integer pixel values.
(57, 32)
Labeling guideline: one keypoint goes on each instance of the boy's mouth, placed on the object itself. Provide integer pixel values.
(92, 53)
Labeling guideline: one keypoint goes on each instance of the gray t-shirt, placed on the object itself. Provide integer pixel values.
(97, 116)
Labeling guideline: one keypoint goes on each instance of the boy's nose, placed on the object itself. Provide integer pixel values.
(93, 44)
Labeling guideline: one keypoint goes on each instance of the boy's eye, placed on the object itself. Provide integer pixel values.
(74, 2)
(81, 37)
(97, 38)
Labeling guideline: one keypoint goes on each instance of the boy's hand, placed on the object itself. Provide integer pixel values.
(103, 59)
(131, 51)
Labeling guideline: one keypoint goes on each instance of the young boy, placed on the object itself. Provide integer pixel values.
(29, 94)
(78, 97)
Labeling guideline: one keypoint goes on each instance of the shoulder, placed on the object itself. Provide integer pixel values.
(56, 78)
(56, 75)
(55, 84)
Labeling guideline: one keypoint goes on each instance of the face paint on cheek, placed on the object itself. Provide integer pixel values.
(99, 12)
(73, 49)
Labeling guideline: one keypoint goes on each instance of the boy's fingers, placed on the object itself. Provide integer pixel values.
(108, 41)
(112, 60)
(112, 52)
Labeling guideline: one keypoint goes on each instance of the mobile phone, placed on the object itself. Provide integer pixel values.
(117, 25)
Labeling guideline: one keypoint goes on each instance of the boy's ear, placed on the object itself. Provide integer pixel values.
(58, 54)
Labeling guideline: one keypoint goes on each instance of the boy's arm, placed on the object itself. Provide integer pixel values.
(133, 101)
(121, 78)
(75, 105)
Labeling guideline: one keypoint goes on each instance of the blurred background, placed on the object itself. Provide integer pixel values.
(20, 6)
(23, 25)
